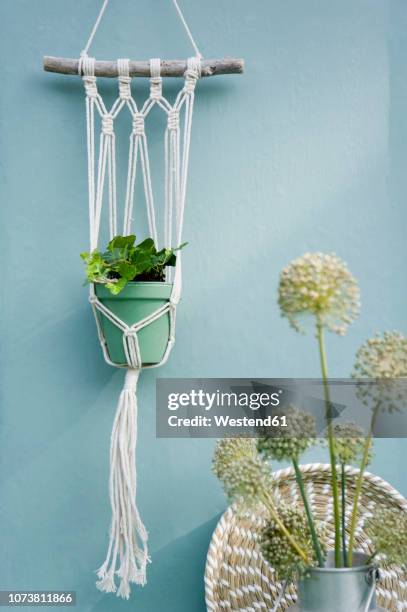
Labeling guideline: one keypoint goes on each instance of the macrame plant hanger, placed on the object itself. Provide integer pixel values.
(127, 553)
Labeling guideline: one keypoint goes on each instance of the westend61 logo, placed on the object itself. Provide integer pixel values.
(219, 399)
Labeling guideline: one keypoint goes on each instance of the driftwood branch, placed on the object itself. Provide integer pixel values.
(169, 68)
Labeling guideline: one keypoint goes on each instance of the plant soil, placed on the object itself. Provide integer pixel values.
(153, 276)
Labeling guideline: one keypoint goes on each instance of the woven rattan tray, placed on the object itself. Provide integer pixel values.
(238, 578)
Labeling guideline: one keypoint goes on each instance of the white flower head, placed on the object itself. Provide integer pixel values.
(229, 450)
(247, 481)
(387, 530)
(321, 285)
(384, 356)
(287, 443)
(245, 476)
(383, 360)
(276, 548)
(349, 443)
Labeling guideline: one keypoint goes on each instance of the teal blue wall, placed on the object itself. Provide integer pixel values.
(306, 151)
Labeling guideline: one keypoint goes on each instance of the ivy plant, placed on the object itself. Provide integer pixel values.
(125, 261)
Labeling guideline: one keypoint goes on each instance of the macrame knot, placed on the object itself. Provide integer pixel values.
(124, 78)
(173, 119)
(132, 348)
(192, 74)
(138, 124)
(90, 86)
(124, 87)
(130, 332)
(155, 79)
(190, 81)
(86, 68)
(107, 125)
(155, 88)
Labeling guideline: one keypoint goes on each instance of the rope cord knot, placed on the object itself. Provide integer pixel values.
(155, 79)
(138, 124)
(124, 88)
(86, 69)
(155, 88)
(90, 86)
(124, 79)
(107, 124)
(192, 74)
(173, 119)
(129, 332)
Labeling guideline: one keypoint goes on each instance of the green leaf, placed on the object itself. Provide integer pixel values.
(172, 260)
(181, 246)
(147, 245)
(141, 261)
(127, 270)
(116, 287)
(121, 242)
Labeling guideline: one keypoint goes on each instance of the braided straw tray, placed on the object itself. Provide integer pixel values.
(238, 578)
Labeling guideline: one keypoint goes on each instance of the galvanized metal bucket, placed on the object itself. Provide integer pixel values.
(331, 589)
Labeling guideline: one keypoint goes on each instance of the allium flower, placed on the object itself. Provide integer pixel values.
(287, 443)
(319, 284)
(277, 550)
(244, 475)
(383, 359)
(229, 450)
(349, 443)
(247, 480)
(388, 531)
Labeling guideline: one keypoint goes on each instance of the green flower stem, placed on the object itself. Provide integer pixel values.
(268, 502)
(315, 541)
(359, 483)
(343, 495)
(328, 413)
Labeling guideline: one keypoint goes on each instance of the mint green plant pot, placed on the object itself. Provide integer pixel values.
(135, 302)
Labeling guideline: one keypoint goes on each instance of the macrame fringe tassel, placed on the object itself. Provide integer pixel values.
(127, 554)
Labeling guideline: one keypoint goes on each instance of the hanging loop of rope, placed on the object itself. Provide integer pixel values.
(85, 50)
(187, 29)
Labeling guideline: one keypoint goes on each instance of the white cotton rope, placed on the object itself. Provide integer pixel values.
(187, 28)
(180, 14)
(127, 554)
(95, 27)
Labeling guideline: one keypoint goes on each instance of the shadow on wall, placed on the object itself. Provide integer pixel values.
(174, 577)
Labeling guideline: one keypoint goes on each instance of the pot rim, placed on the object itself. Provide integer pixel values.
(345, 570)
(134, 290)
